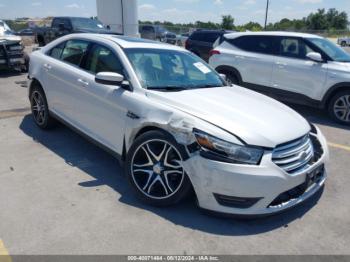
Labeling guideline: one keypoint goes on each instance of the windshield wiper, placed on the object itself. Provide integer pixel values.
(208, 86)
(168, 88)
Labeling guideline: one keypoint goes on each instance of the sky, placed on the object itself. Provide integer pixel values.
(177, 10)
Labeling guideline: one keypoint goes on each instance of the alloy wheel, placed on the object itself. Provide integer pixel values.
(38, 108)
(342, 108)
(156, 169)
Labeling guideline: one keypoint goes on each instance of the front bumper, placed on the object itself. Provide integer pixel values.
(11, 59)
(261, 186)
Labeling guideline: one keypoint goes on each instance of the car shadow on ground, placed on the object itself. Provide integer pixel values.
(317, 116)
(10, 73)
(105, 170)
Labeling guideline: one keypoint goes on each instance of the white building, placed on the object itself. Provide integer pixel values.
(120, 15)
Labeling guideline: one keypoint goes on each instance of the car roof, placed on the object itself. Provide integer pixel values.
(271, 33)
(129, 42)
(204, 31)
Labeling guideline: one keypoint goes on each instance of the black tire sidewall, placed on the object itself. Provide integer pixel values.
(184, 189)
(231, 76)
(331, 106)
(47, 122)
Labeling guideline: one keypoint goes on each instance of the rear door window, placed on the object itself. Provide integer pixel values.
(257, 44)
(57, 51)
(74, 51)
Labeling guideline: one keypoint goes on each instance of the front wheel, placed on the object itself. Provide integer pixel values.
(339, 107)
(155, 171)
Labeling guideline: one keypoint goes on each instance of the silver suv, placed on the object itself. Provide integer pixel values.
(292, 67)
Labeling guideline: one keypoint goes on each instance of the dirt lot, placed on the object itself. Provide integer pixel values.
(62, 195)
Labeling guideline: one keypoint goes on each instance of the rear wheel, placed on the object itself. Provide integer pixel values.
(343, 44)
(339, 107)
(154, 168)
(40, 109)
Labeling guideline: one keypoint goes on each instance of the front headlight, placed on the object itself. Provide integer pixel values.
(221, 149)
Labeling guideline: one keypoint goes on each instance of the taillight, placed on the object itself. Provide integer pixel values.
(214, 52)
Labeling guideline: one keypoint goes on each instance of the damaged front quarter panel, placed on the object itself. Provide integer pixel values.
(178, 125)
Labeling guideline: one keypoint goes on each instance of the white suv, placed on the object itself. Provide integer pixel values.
(177, 126)
(291, 67)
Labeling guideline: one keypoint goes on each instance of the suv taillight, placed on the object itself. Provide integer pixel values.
(214, 52)
(186, 43)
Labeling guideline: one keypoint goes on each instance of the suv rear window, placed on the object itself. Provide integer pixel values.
(209, 37)
(257, 44)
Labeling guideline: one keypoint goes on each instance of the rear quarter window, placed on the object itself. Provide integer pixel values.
(257, 44)
(209, 37)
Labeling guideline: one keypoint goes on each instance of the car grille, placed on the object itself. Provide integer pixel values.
(295, 156)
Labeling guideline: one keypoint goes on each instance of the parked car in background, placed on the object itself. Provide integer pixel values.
(61, 26)
(158, 33)
(343, 41)
(12, 55)
(298, 68)
(182, 38)
(201, 42)
(177, 126)
(26, 32)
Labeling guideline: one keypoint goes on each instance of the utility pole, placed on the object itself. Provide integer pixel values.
(267, 12)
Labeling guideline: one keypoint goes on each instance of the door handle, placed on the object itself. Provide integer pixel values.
(47, 67)
(83, 82)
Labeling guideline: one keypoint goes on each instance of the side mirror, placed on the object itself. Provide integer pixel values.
(109, 78)
(316, 57)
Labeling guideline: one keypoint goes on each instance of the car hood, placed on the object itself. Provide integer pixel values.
(256, 119)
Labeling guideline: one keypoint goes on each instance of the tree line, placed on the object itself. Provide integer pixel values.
(330, 20)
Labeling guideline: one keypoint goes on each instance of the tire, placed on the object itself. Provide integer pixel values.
(339, 107)
(40, 109)
(343, 44)
(232, 79)
(41, 41)
(154, 170)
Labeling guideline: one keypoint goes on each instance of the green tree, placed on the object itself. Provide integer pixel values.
(318, 20)
(336, 20)
(228, 22)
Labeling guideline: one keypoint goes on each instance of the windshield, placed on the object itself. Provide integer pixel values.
(172, 70)
(332, 50)
(86, 23)
(5, 29)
